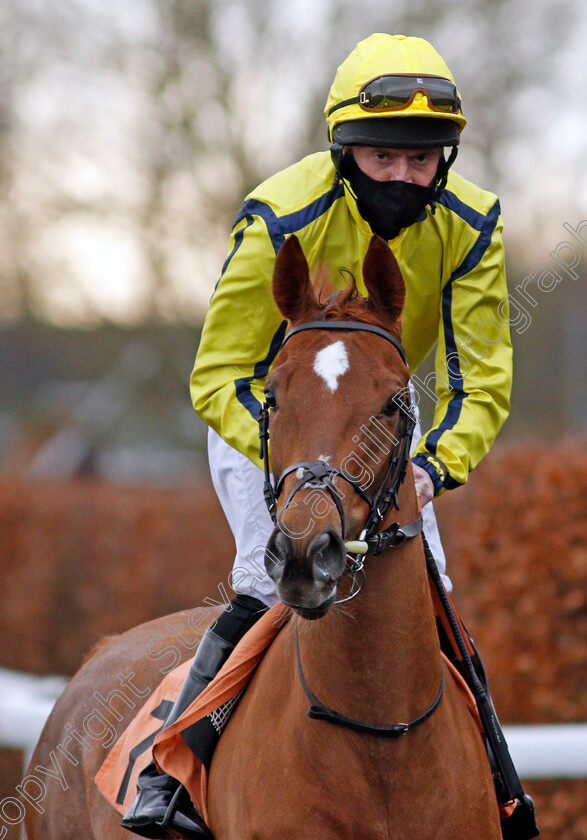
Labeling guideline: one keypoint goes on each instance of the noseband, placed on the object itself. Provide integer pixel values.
(322, 473)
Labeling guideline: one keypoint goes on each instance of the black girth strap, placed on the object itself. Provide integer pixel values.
(318, 711)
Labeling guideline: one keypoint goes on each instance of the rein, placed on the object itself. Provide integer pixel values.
(318, 711)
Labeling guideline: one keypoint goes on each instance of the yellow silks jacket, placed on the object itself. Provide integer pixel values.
(453, 266)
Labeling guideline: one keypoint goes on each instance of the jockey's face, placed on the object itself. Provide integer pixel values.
(416, 166)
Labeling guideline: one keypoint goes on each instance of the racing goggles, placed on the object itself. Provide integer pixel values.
(394, 93)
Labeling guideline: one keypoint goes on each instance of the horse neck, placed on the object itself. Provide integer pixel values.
(377, 654)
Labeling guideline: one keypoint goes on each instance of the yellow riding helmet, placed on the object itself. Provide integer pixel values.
(394, 91)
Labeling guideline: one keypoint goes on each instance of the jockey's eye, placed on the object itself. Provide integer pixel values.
(270, 398)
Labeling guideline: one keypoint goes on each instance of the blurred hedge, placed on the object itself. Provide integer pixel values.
(516, 542)
(83, 559)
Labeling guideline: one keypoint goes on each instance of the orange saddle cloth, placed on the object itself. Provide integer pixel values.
(145, 738)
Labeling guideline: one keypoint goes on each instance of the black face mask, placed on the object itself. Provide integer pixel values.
(388, 206)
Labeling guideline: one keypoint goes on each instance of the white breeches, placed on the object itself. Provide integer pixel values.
(239, 485)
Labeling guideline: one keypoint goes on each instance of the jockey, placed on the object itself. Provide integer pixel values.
(394, 120)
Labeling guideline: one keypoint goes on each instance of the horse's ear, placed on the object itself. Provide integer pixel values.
(384, 281)
(292, 289)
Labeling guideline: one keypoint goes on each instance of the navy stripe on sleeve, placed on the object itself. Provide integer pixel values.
(243, 386)
(468, 214)
(455, 377)
(278, 227)
(238, 238)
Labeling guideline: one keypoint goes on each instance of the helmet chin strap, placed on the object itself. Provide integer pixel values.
(336, 152)
(442, 176)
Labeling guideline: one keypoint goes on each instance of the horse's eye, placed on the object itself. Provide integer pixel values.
(391, 407)
(270, 398)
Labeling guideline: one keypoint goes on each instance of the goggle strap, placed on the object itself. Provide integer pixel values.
(354, 100)
(362, 100)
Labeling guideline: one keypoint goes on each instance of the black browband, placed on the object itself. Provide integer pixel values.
(349, 325)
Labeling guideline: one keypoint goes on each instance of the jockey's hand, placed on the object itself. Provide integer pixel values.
(424, 485)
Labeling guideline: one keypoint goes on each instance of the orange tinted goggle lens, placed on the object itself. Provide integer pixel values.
(388, 93)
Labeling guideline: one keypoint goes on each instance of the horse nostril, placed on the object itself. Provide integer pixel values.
(321, 572)
(275, 555)
(328, 557)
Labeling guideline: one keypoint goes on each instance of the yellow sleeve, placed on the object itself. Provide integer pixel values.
(242, 333)
(473, 364)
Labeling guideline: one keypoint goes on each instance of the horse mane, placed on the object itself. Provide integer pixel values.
(350, 305)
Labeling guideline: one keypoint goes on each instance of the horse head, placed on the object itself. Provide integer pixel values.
(335, 398)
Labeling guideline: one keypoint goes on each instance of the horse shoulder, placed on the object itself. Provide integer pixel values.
(272, 754)
(115, 680)
(459, 744)
(250, 756)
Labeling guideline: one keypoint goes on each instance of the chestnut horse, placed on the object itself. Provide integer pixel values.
(402, 756)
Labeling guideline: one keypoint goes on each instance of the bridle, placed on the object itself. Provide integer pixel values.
(384, 497)
(369, 542)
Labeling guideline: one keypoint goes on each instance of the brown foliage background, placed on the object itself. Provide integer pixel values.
(83, 559)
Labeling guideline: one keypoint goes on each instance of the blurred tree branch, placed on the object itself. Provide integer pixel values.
(147, 124)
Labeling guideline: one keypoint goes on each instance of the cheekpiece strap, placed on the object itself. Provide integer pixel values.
(394, 536)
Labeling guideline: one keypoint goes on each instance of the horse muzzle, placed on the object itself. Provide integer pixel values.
(306, 572)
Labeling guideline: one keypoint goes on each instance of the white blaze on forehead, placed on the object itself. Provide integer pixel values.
(331, 362)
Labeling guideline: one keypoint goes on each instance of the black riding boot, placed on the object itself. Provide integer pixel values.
(162, 803)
